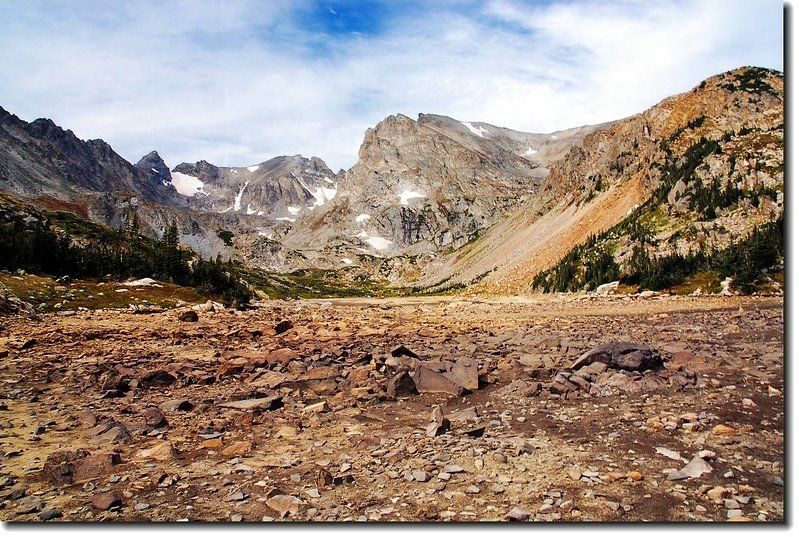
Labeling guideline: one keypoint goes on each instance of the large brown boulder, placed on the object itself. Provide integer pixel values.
(427, 380)
(68, 467)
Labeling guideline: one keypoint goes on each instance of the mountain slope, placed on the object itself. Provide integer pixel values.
(420, 187)
(620, 167)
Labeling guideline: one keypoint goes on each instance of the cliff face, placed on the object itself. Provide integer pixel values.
(420, 187)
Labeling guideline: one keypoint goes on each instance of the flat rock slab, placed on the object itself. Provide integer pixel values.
(427, 380)
(262, 403)
(464, 373)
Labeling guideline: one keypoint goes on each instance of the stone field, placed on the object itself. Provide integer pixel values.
(556, 408)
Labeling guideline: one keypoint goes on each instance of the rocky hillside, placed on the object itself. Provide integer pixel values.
(424, 186)
(697, 171)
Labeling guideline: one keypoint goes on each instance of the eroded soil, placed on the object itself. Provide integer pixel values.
(150, 389)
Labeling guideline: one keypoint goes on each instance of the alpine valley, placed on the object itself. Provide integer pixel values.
(436, 204)
(470, 324)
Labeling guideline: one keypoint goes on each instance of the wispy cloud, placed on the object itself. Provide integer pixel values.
(239, 82)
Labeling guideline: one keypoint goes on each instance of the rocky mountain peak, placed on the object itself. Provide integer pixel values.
(203, 170)
(152, 168)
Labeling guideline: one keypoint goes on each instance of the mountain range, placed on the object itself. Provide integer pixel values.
(435, 203)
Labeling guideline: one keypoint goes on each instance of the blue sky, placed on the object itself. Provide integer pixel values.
(239, 82)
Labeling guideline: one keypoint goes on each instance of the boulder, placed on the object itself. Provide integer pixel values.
(262, 403)
(438, 423)
(103, 501)
(68, 467)
(621, 355)
(464, 373)
(402, 350)
(283, 326)
(157, 378)
(427, 380)
(401, 385)
(189, 316)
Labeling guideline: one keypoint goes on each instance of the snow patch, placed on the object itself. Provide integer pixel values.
(286, 219)
(346, 261)
(376, 242)
(328, 180)
(293, 210)
(253, 168)
(408, 195)
(144, 282)
(530, 151)
(250, 210)
(188, 185)
(237, 202)
(363, 217)
(235, 171)
(156, 171)
(478, 130)
(322, 194)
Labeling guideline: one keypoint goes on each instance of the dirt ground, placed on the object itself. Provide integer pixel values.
(238, 416)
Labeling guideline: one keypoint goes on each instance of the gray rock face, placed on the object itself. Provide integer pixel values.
(42, 159)
(421, 186)
(622, 355)
(280, 188)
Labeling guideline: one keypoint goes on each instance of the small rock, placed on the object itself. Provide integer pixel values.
(730, 503)
(697, 467)
(723, 430)
(160, 452)
(284, 504)
(283, 326)
(189, 316)
(438, 423)
(316, 408)
(453, 469)
(775, 480)
(236, 496)
(575, 473)
(49, 514)
(517, 514)
(173, 405)
(717, 493)
(236, 449)
(420, 476)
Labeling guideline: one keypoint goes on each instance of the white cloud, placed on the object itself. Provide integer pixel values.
(239, 83)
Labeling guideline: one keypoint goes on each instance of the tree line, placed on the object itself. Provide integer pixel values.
(37, 247)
